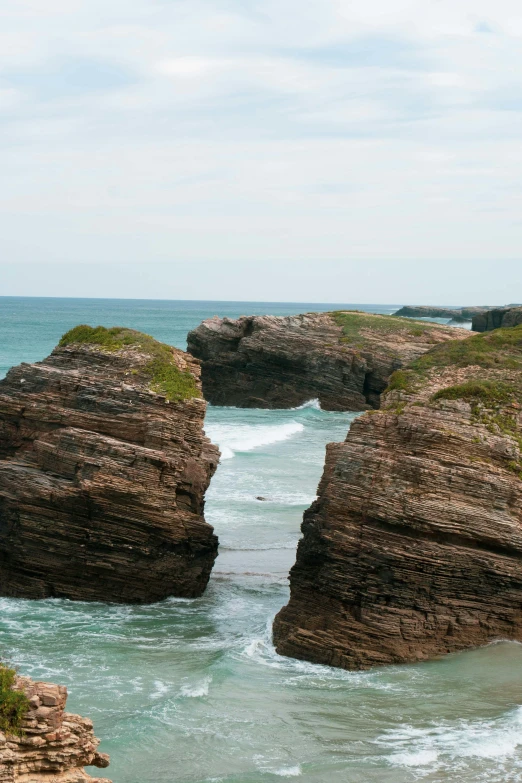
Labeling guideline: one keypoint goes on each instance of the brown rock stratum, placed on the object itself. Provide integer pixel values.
(54, 746)
(103, 471)
(344, 359)
(413, 548)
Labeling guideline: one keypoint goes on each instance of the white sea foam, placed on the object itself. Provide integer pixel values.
(261, 650)
(287, 772)
(496, 739)
(420, 758)
(159, 689)
(196, 691)
(232, 438)
(261, 548)
(315, 404)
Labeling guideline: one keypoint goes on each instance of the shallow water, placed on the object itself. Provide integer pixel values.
(192, 691)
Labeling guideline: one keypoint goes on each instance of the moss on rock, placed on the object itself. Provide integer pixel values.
(14, 704)
(489, 393)
(355, 323)
(161, 371)
(501, 349)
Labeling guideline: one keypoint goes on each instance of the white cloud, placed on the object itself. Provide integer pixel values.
(214, 129)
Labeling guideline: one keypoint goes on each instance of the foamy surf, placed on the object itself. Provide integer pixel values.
(196, 691)
(232, 438)
(314, 404)
(287, 772)
(437, 746)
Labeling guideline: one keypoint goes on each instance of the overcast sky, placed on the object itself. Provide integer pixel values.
(314, 136)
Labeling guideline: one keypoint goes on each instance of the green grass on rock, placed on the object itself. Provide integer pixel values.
(490, 393)
(162, 373)
(353, 321)
(501, 349)
(13, 704)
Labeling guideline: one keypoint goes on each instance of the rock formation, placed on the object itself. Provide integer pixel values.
(457, 314)
(54, 746)
(344, 359)
(414, 546)
(499, 317)
(103, 470)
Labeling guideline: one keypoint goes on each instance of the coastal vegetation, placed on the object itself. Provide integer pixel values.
(489, 393)
(501, 349)
(493, 403)
(161, 370)
(14, 704)
(358, 325)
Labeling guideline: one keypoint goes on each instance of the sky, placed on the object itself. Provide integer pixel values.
(207, 140)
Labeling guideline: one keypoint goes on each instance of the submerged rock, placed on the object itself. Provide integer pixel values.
(414, 546)
(497, 318)
(103, 470)
(343, 359)
(53, 746)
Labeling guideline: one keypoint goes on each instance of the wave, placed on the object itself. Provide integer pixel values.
(232, 438)
(260, 548)
(160, 689)
(436, 746)
(196, 691)
(287, 772)
(314, 404)
(261, 650)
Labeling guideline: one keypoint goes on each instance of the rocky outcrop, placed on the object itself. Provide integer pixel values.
(497, 318)
(457, 314)
(413, 548)
(344, 359)
(53, 746)
(103, 471)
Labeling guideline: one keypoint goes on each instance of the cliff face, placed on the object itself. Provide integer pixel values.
(414, 546)
(497, 318)
(54, 746)
(343, 359)
(103, 470)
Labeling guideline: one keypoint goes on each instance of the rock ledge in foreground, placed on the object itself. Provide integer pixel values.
(54, 746)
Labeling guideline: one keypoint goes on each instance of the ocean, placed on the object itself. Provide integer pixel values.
(192, 691)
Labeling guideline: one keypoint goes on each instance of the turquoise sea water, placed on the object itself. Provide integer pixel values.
(191, 691)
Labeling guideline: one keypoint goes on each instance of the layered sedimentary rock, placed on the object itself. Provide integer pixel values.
(103, 471)
(413, 548)
(53, 746)
(344, 359)
(499, 317)
(458, 314)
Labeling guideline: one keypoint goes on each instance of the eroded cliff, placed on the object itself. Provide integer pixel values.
(52, 746)
(344, 359)
(103, 471)
(508, 316)
(413, 548)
